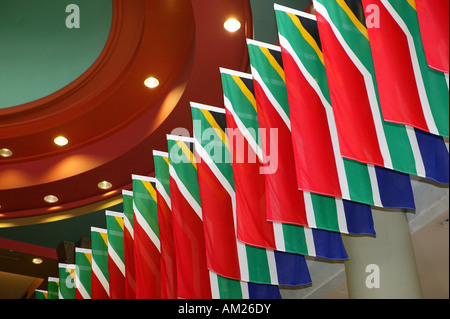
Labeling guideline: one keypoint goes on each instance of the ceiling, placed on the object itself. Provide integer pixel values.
(112, 121)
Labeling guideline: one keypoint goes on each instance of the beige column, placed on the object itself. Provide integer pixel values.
(383, 267)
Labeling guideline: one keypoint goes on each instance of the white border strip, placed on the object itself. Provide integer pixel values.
(83, 250)
(185, 192)
(99, 230)
(264, 45)
(236, 73)
(143, 178)
(294, 11)
(159, 153)
(180, 138)
(128, 193)
(207, 107)
(116, 214)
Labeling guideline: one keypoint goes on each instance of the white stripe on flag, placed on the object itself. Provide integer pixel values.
(115, 257)
(342, 221)
(271, 98)
(374, 184)
(160, 188)
(368, 80)
(100, 276)
(214, 283)
(279, 237)
(310, 241)
(251, 141)
(311, 218)
(216, 171)
(272, 266)
(244, 289)
(146, 227)
(420, 167)
(128, 226)
(185, 192)
(81, 289)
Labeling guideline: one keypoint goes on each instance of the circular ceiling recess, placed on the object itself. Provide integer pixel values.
(48, 44)
(84, 80)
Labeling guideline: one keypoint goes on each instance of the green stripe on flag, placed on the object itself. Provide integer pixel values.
(161, 161)
(83, 263)
(53, 288)
(41, 294)
(67, 281)
(183, 152)
(144, 198)
(128, 208)
(99, 244)
(115, 228)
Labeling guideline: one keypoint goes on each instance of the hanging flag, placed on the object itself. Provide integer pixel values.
(320, 166)
(146, 238)
(116, 257)
(363, 134)
(41, 294)
(433, 18)
(225, 254)
(411, 93)
(99, 274)
(168, 255)
(128, 242)
(192, 272)
(83, 269)
(324, 213)
(53, 288)
(66, 281)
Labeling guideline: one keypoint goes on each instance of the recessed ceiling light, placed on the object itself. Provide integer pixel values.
(51, 199)
(151, 82)
(232, 25)
(37, 261)
(61, 141)
(104, 185)
(5, 152)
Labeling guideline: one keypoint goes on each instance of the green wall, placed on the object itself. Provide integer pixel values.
(39, 54)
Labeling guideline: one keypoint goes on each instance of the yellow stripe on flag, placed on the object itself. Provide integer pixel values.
(306, 36)
(354, 19)
(105, 237)
(151, 190)
(88, 257)
(245, 90)
(72, 273)
(274, 63)
(187, 152)
(119, 221)
(216, 127)
(412, 3)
